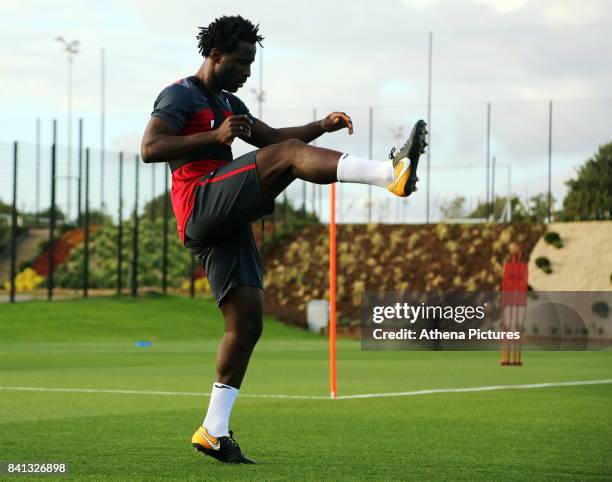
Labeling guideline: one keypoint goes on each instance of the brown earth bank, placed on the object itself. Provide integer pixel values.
(583, 263)
(383, 257)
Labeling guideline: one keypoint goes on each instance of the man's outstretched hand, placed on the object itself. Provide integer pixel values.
(336, 121)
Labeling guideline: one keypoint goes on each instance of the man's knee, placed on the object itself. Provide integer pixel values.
(293, 145)
(247, 330)
(289, 151)
(280, 157)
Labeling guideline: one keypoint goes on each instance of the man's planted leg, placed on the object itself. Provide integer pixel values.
(242, 310)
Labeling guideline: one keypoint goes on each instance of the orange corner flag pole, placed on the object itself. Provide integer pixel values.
(332, 292)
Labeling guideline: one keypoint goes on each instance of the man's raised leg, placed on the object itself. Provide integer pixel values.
(280, 164)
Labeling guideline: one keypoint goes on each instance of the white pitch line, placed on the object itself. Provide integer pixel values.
(478, 389)
(154, 392)
(316, 397)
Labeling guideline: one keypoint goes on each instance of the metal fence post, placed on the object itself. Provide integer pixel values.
(550, 107)
(135, 235)
(14, 226)
(429, 81)
(304, 199)
(370, 156)
(120, 229)
(192, 281)
(153, 205)
(488, 154)
(37, 213)
(52, 214)
(320, 201)
(86, 229)
(80, 170)
(493, 186)
(165, 248)
(314, 186)
(285, 211)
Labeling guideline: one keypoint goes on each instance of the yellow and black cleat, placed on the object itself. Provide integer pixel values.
(406, 160)
(225, 449)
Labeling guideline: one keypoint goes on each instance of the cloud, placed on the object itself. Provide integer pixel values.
(354, 55)
(499, 6)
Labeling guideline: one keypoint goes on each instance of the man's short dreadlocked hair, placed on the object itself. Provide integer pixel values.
(225, 33)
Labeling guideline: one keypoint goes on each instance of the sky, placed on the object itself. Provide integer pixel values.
(321, 56)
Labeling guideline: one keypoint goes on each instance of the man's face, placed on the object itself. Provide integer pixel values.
(234, 68)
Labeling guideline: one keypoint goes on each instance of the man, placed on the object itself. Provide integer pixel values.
(215, 197)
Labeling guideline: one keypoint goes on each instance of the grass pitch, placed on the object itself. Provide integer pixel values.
(537, 434)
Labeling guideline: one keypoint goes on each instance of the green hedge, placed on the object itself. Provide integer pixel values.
(103, 258)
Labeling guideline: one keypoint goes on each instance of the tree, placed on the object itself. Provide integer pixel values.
(5, 208)
(453, 209)
(95, 217)
(518, 209)
(537, 207)
(589, 196)
(44, 215)
(154, 209)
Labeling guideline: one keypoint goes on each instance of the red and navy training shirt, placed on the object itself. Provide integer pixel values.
(185, 107)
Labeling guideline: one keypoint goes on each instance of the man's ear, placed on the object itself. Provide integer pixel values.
(215, 54)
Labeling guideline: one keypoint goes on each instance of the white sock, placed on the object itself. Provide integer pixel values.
(364, 171)
(221, 402)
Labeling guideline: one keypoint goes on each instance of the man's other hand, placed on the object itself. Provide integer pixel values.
(336, 121)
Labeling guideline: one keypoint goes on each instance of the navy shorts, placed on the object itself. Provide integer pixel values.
(219, 232)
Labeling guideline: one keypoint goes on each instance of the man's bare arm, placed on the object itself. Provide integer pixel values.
(263, 135)
(161, 142)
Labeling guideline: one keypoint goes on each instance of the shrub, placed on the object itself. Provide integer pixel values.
(25, 281)
(543, 263)
(553, 238)
(601, 308)
(103, 259)
(345, 321)
(451, 245)
(442, 231)
(200, 285)
(25, 264)
(506, 235)
(413, 239)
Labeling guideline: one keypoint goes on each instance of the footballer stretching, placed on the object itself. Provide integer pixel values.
(215, 196)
